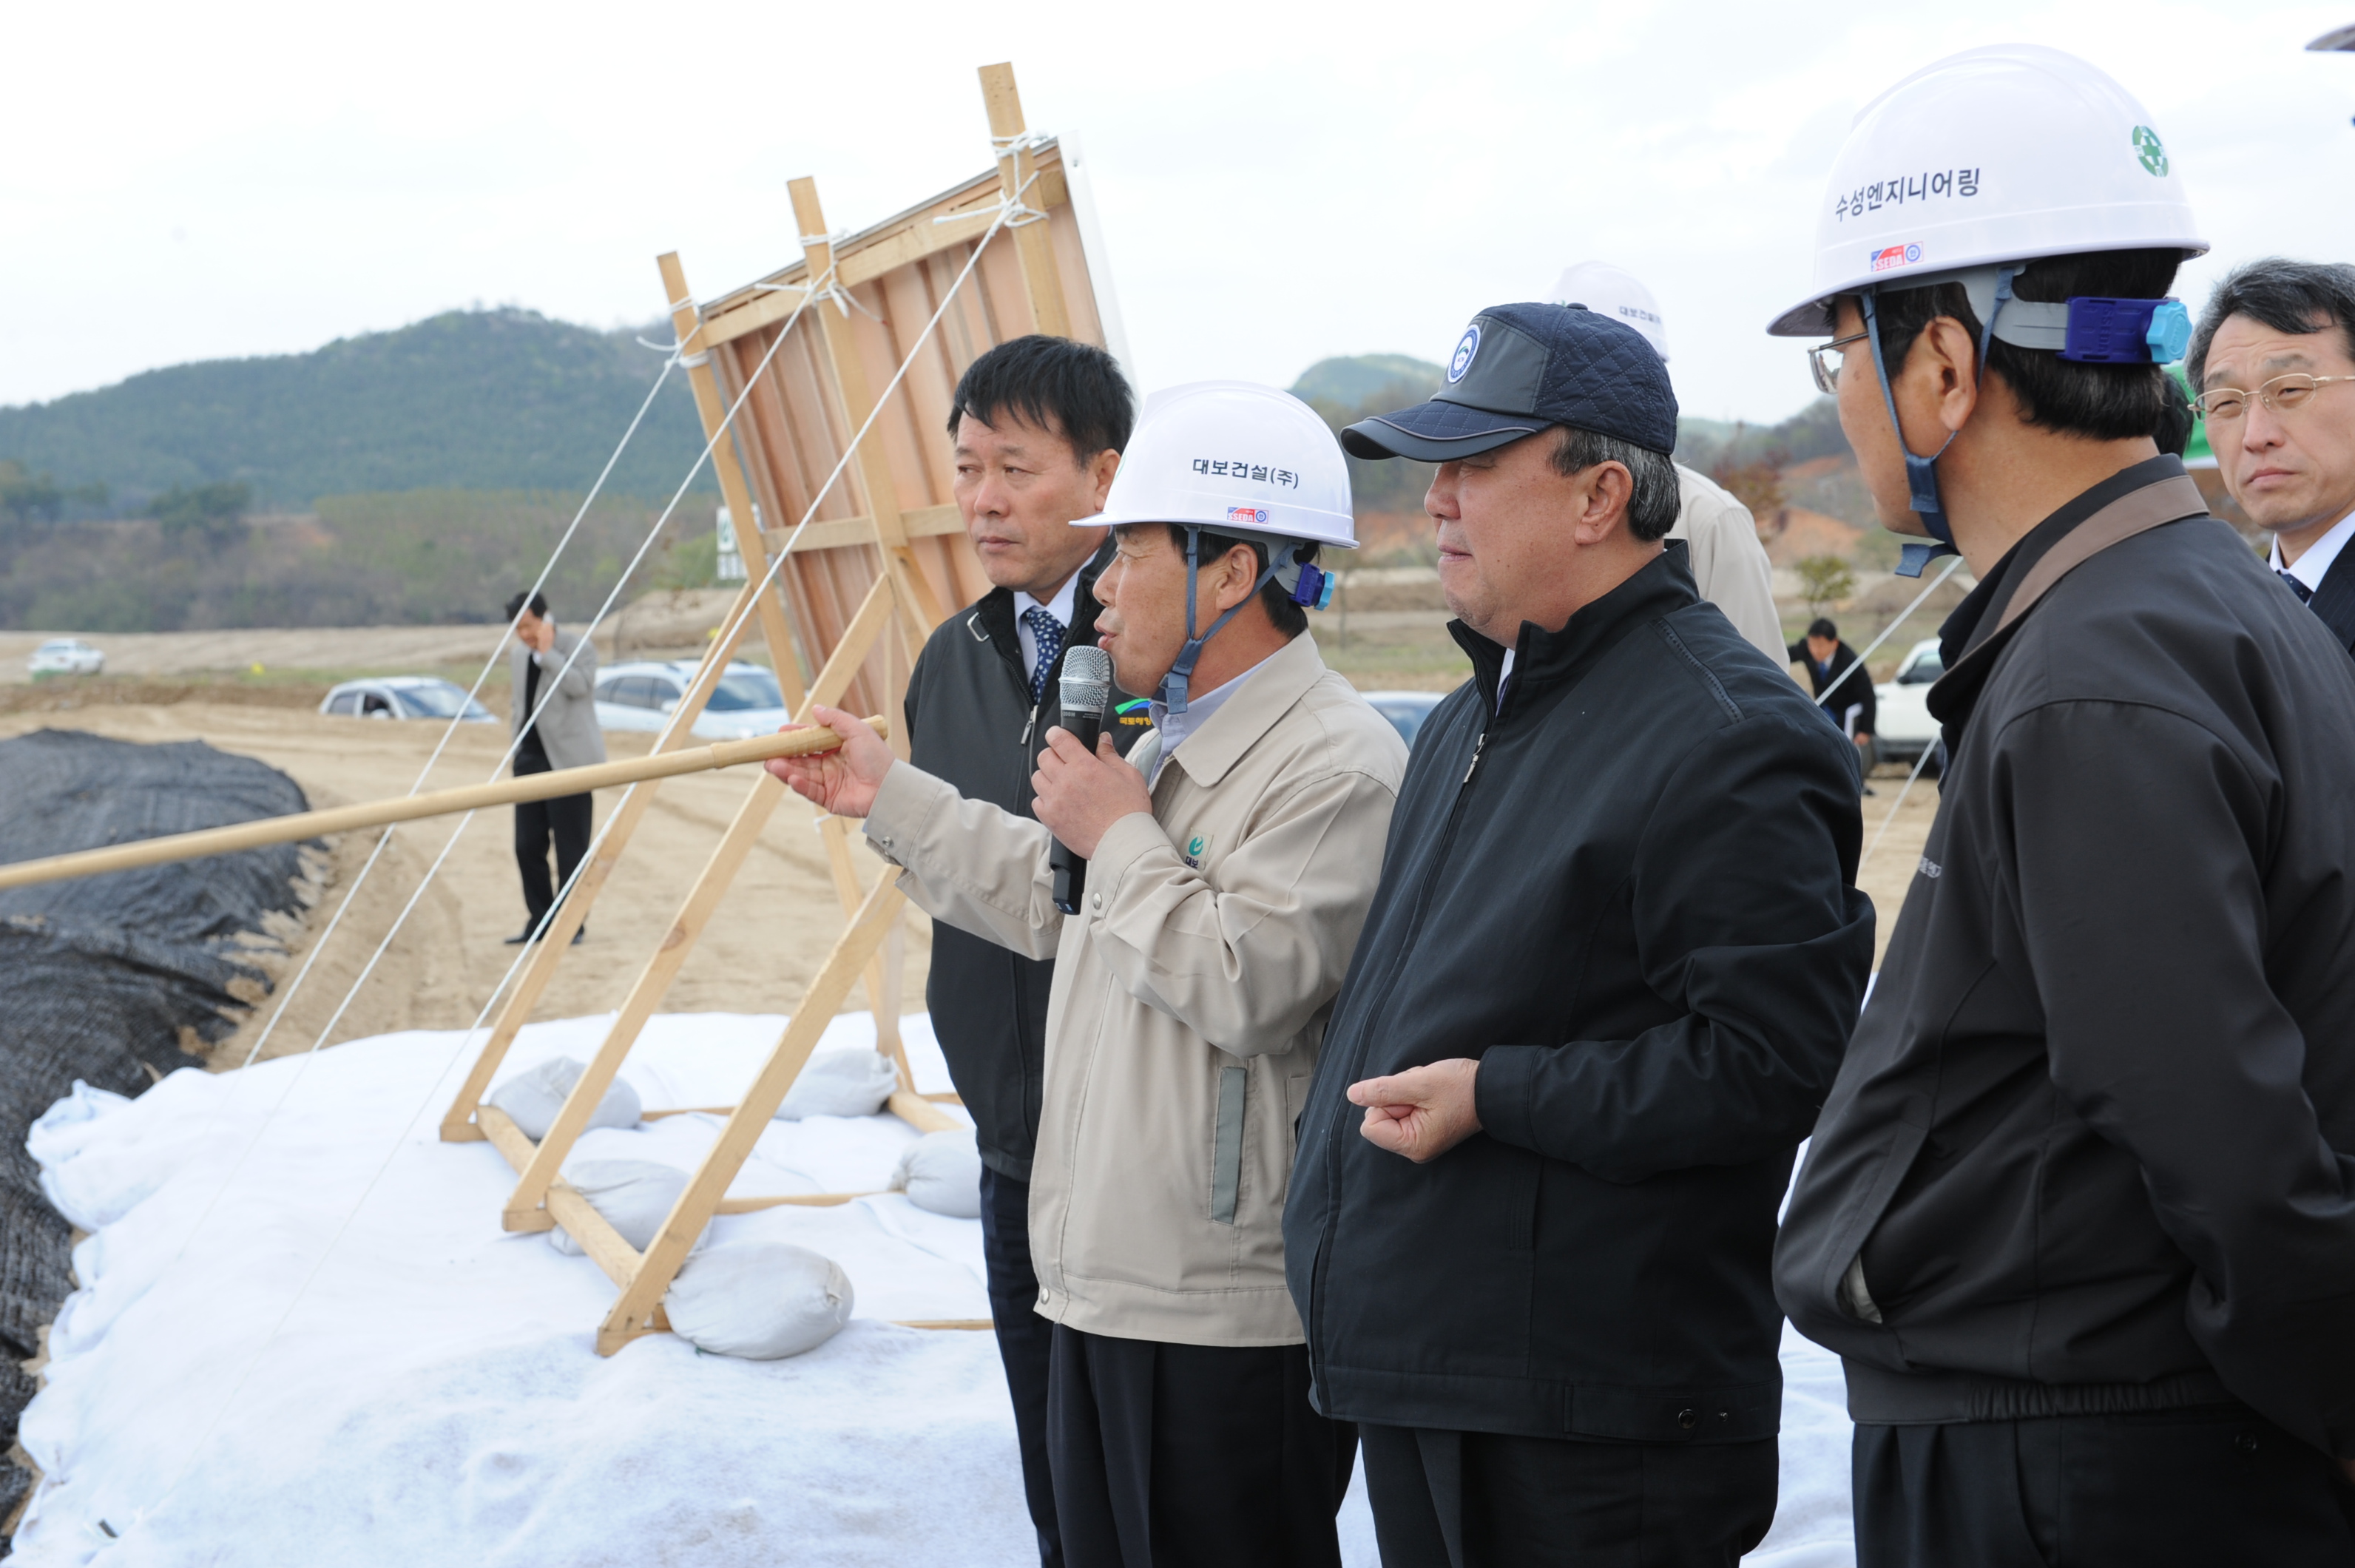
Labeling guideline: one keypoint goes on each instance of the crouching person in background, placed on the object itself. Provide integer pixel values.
(1229, 871)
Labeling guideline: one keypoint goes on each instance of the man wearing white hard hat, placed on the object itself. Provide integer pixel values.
(1228, 872)
(2079, 1214)
(1728, 564)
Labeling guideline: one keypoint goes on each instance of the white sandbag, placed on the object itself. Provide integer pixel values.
(840, 1083)
(533, 1098)
(761, 1301)
(941, 1172)
(636, 1196)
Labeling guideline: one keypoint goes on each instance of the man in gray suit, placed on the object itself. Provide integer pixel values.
(554, 711)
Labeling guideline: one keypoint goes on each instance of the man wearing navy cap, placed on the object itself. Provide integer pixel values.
(1605, 984)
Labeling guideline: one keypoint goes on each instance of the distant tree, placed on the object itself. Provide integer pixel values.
(1824, 578)
(212, 514)
(1756, 482)
(27, 496)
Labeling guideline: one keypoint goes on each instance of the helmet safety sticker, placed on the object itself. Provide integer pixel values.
(1465, 347)
(1249, 516)
(2149, 151)
(1890, 256)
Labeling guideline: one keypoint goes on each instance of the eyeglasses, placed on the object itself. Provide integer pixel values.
(1826, 369)
(2283, 395)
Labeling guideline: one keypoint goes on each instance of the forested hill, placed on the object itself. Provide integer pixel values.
(484, 399)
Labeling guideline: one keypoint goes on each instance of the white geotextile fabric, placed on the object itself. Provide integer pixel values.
(435, 1395)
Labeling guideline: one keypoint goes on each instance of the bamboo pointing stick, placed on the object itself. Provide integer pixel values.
(409, 809)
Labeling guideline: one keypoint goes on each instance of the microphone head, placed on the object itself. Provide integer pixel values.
(1086, 685)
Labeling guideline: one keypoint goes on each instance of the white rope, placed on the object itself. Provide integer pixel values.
(1858, 663)
(286, 995)
(467, 1038)
(1919, 763)
(727, 635)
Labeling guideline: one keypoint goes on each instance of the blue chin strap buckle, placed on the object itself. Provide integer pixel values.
(1173, 685)
(1922, 473)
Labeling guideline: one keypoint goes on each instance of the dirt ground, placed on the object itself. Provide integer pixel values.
(759, 952)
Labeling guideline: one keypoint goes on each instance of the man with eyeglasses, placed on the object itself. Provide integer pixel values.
(2271, 356)
(2079, 1211)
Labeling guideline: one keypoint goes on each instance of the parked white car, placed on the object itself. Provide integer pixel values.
(1901, 705)
(405, 696)
(65, 655)
(747, 701)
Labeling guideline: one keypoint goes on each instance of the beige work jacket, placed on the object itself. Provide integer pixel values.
(1189, 997)
(1728, 564)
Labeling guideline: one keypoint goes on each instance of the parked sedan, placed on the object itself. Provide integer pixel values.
(65, 655)
(405, 696)
(1901, 705)
(746, 703)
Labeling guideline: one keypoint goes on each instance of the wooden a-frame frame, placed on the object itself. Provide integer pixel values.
(868, 587)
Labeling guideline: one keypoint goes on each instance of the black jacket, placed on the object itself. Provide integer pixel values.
(2335, 600)
(970, 721)
(2092, 1138)
(1855, 691)
(1628, 894)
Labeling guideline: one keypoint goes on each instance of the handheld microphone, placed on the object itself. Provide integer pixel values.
(1085, 688)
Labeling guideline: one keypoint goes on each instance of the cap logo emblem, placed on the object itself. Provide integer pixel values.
(1890, 256)
(1465, 347)
(2149, 151)
(1249, 516)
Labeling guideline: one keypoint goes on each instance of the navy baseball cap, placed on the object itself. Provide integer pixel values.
(1521, 368)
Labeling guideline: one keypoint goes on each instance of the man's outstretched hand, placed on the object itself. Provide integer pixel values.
(1421, 1113)
(844, 781)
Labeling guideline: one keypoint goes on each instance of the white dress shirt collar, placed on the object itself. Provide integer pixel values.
(1059, 607)
(2315, 564)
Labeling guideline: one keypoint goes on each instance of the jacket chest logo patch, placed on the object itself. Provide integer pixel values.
(1931, 869)
(1197, 850)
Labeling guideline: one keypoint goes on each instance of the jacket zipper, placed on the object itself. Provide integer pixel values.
(1357, 1062)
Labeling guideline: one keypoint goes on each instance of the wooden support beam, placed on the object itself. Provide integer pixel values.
(523, 1211)
(633, 1315)
(872, 253)
(1014, 166)
(874, 463)
(921, 522)
(752, 606)
(686, 324)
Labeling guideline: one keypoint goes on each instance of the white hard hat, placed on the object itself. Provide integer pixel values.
(1996, 154)
(1618, 293)
(1235, 457)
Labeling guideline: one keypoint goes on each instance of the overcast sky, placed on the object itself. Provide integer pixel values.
(1277, 183)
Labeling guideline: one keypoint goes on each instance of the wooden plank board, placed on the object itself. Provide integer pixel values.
(642, 1296)
(523, 1211)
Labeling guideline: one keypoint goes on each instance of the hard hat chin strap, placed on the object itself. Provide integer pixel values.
(1922, 473)
(1173, 685)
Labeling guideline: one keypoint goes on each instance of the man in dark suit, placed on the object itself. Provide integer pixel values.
(2270, 359)
(553, 712)
(1833, 666)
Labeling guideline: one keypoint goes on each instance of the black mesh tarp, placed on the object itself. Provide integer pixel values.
(98, 976)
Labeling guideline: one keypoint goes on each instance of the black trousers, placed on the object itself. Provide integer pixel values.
(566, 820)
(2190, 1488)
(1192, 1456)
(1479, 1499)
(1025, 1343)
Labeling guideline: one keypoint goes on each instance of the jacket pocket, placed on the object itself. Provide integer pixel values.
(1227, 1146)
